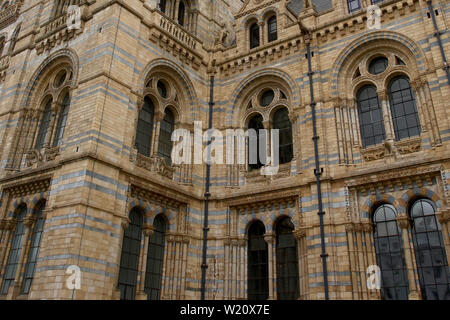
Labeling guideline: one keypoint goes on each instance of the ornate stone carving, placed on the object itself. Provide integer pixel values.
(374, 153)
(409, 146)
(155, 164)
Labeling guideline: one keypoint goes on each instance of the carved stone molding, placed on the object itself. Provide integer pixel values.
(10, 12)
(155, 164)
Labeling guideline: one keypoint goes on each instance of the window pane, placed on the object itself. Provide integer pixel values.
(144, 132)
(282, 122)
(62, 120)
(258, 269)
(44, 125)
(370, 116)
(165, 137)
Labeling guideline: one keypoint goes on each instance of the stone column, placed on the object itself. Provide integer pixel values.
(159, 116)
(300, 235)
(242, 245)
(176, 268)
(8, 227)
(125, 222)
(387, 119)
(148, 232)
(371, 257)
(269, 239)
(350, 228)
(186, 241)
(444, 217)
(261, 33)
(165, 270)
(404, 224)
(234, 244)
(226, 244)
(50, 135)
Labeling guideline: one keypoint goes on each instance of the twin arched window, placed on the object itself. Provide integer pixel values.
(182, 14)
(272, 32)
(131, 253)
(431, 259)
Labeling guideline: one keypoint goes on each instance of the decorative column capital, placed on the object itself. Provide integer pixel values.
(403, 221)
(125, 223)
(148, 230)
(300, 233)
(443, 216)
(11, 224)
(382, 94)
(269, 238)
(349, 227)
(159, 116)
(367, 226)
(29, 221)
(243, 242)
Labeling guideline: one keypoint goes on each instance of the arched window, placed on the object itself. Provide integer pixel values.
(62, 120)
(129, 261)
(429, 247)
(44, 125)
(162, 5)
(258, 265)
(390, 255)
(155, 259)
(181, 13)
(370, 116)
(144, 132)
(35, 244)
(14, 253)
(272, 29)
(404, 110)
(287, 261)
(254, 35)
(256, 143)
(282, 122)
(165, 136)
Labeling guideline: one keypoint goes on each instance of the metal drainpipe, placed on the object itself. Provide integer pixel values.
(318, 171)
(437, 34)
(207, 196)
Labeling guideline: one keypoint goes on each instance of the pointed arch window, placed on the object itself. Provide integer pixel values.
(155, 259)
(258, 265)
(389, 253)
(144, 132)
(429, 247)
(287, 261)
(35, 244)
(256, 143)
(15, 251)
(254, 35)
(44, 125)
(129, 261)
(404, 110)
(370, 116)
(165, 136)
(272, 29)
(62, 121)
(282, 122)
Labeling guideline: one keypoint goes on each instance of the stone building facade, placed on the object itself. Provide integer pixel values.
(91, 91)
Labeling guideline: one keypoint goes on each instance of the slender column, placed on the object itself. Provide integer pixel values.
(300, 235)
(9, 226)
(360, 254)
(350, 228)
(386, 115)
(444, 217)
(371, 259)
(165, 278)
(186, 241)
(49, 136)
(226, 267)
(404, 224)
(355, 122)
(159, 116)
(125, 222)
(148, 232)
(177, 261)
(234, 267)
(242, 245)
(170, 266)
(269, 239)
(261, 33)
(246, 272)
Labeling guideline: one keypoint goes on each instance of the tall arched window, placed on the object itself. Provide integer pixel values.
(429, 247)
(15, 250)
(162, 5)
(181, 13)
(282, 122)
(62, 120)
(165, 136)
(370, 116)
(404, 110)
(272, 29)
(144, 132)
(287, 261)
(390, 255)
(256, 143)
(254, 35)
(35, 244)
(155, 259)
(44, 125)
(129, 261)
(258, 265)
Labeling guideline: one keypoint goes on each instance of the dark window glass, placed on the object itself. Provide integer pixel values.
(376, 1)
(162, 5)
(256, 143)
(44, 125)
(144, 132)
(404, 110)
(378, 65)
(33, 252)
(282, 122)
(165, 137)
(62, 120)
(272, 29)
(390, 255)
(162, 89)
(254, 36)
(287, 261)
(155, 260)
(14, 252)
(353, 5)
(266, 98)
(429, 247)
(258, 265)
(181, 13)
(370, 116)
(129, 260)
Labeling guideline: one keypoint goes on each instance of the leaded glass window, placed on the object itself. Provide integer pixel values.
(155, 258)
(287, 261)
(129, 260)
(61, 125)
(15, 251)
(430, 252)
(144, 132)
(390, 255)
(282, 122)
(44, 125)
(258, 265)
(404, 110)
(370, 116)
(165, 136)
